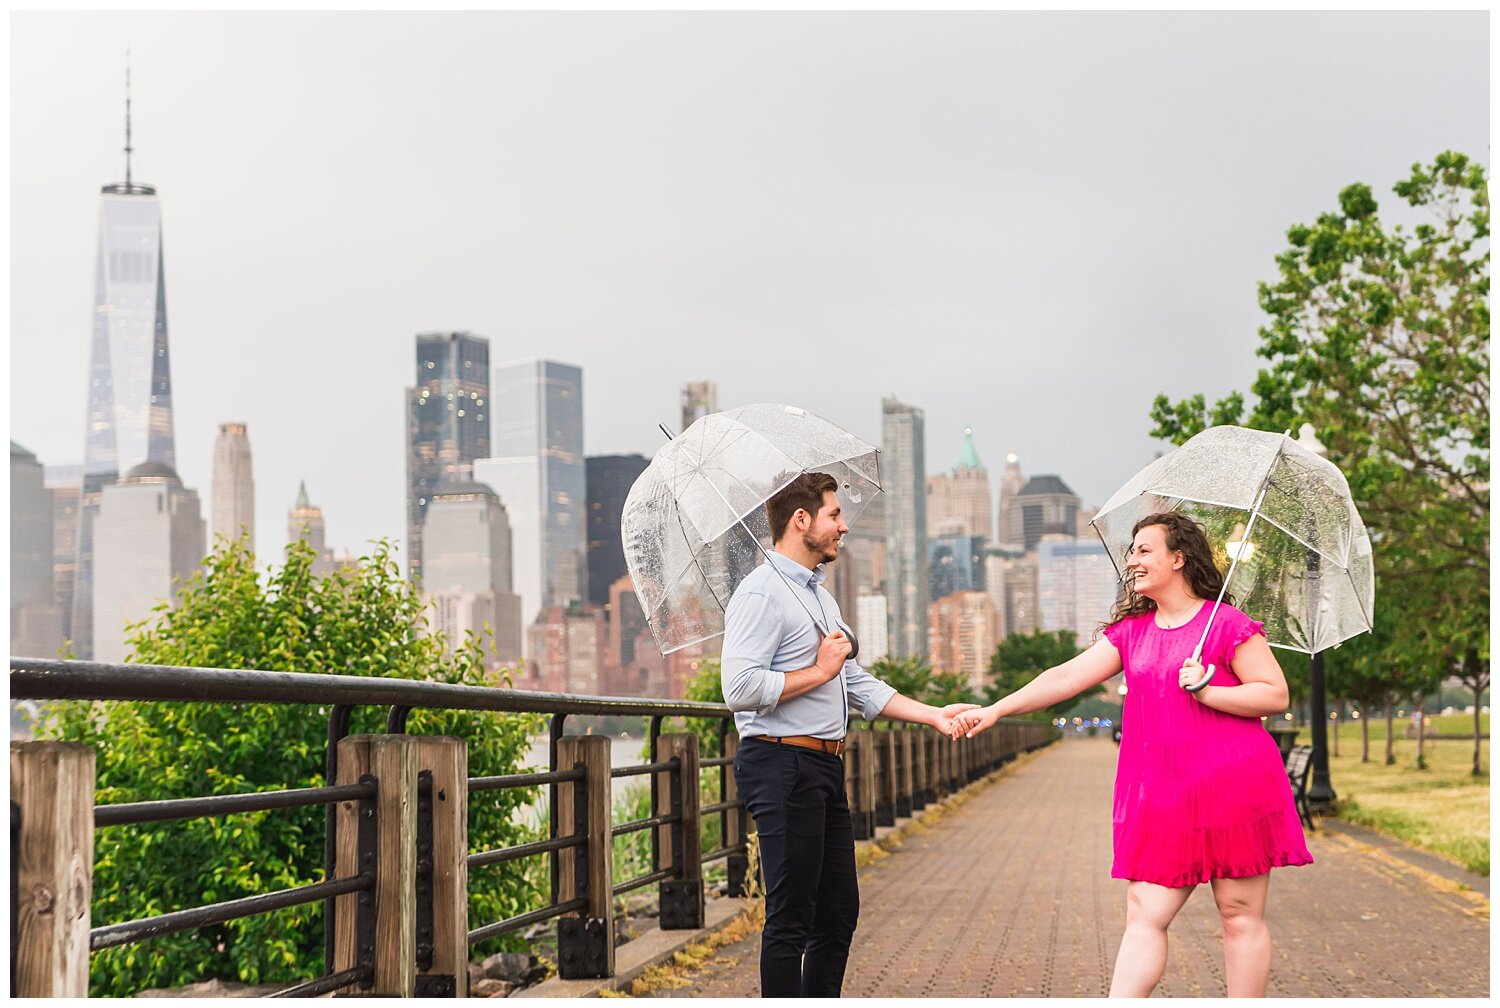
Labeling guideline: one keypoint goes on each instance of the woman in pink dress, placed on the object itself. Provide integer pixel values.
(1200, 790)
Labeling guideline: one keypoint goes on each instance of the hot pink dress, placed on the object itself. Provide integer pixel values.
(1199, 794)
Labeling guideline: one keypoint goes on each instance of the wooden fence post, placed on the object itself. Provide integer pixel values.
(905, 790)
(855, 755)
(52, 865)
(736, 822)
(919, 770)
(885, 781)
(390, 946)
(586, 938)
(681, 899)
(443, 868)
(867, 757)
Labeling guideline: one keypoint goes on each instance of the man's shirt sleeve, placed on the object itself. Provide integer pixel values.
(866, 692)
(752, 631)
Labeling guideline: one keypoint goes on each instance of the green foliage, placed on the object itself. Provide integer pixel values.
(360, 622)
(706, 686)
(915, 678)
(1020, 658)
(1378, 335)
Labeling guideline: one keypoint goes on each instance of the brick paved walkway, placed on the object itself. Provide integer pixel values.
(1011, 896)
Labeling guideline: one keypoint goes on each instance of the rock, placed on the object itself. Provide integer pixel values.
(215, 989)
(511, 967)
(476, 974)
(488, 988)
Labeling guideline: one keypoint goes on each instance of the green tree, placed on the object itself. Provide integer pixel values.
(1378, 335)
(915, 678)
(1020, 658)
(365, 621)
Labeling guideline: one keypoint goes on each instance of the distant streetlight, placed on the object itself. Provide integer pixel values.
(1320, 792)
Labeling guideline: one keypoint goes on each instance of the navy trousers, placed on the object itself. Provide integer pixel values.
(801, 813)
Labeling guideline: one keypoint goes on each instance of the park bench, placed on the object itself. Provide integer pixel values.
(1298, 769)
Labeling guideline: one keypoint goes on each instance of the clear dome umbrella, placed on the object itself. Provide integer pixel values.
(695, 521)
(1282, 524)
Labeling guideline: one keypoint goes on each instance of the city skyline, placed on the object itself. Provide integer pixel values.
(926, 222)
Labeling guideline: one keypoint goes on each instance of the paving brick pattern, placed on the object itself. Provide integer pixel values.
(1010, 896)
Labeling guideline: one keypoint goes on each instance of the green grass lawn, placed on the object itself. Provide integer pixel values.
(1442, 809)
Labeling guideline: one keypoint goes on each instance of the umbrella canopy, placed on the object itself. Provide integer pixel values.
(695, 521)
(1280, 519)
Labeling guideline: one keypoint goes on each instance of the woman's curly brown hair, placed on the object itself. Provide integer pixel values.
(1184, 535)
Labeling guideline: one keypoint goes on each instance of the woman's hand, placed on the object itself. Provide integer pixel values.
(972, 722)
(1191, 673)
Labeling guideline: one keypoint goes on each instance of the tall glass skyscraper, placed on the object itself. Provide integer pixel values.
(903, 471)
(608, 479)
(538, 452)
(130, 378)
(448, 425)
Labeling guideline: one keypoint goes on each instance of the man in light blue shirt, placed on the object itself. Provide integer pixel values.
(791, 687)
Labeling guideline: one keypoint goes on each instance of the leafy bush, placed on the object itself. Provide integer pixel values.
(364, 621)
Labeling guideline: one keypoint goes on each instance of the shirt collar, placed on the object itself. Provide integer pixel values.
(798, 573)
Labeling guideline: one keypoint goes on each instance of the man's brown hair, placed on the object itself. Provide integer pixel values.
(805, 492)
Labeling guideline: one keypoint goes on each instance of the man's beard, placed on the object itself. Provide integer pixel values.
(827, 552)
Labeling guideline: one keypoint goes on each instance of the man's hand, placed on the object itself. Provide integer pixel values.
(833, 651)
(971, 723)
(947, 718)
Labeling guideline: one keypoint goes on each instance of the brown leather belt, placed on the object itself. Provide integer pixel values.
(834, 747)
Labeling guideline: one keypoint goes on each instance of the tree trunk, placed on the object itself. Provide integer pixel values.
(1390, 731)
(1364, 734)
(1421, 737)
(1478, 692)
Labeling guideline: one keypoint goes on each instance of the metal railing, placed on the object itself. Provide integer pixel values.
(889, 773)
(37, 679)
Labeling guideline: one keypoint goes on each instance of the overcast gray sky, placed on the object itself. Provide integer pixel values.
(1027, 223)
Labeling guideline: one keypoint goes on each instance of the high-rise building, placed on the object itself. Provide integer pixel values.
(955, 563)
(447, 423)
(233, 504)
(537, 468)
(35, 619)
(466, 569)
(865, 540)
(149, 538)
(633, 665)
(1045, 506)
(959, 502)
(305, 522)
(1019, 577)
(964, 632)
(65, 486)
(903, 473)
(607, 479)
(1076, 585)
(874, 637)
(699, 399)
(1011, 482)
(563, 650)
(130, 378)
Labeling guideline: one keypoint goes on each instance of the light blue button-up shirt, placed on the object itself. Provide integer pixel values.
(767, 633)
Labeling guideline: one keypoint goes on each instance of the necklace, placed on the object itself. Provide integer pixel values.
(1173, 622)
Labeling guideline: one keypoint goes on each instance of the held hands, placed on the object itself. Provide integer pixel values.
(833, 651)
(972, 722)
(946, 721)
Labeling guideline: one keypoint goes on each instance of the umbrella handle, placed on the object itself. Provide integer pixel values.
(1208, 673)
